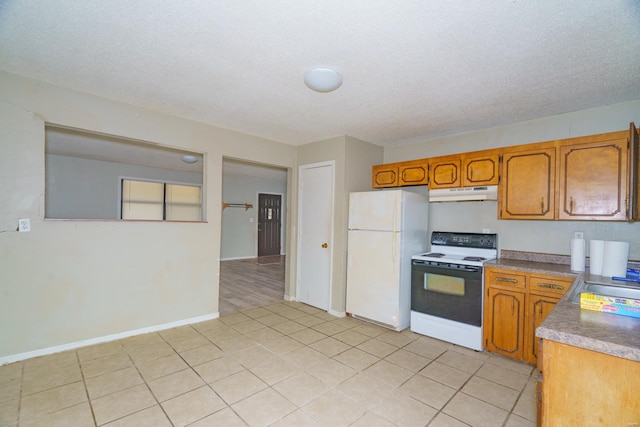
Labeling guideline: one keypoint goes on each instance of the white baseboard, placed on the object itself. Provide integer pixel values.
(107, 338)
(331, 312)
(237, 258)
(338, 313)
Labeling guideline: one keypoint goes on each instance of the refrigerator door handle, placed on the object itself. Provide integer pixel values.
(395, 218)
(395, 250)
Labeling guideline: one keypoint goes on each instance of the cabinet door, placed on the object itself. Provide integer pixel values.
(588, 388)
(527, 190)
(384, 176)
(444, 173)
(538, 307)
(414, 173)
(593, 181)
(480, 170)
(504, 322)
(634, 181)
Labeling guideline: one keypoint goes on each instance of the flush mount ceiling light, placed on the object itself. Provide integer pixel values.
(323, 79)
(189, 159)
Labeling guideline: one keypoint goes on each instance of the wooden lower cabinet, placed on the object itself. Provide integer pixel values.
(516, 303)
(587, 388)
(504, 322)
(538, 308)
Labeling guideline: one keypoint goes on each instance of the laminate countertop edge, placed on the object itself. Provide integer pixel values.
(606, 333)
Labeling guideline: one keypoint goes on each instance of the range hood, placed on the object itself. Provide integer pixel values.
(465, 194)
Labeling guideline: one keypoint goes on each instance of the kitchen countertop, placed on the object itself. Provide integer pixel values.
(602, 332)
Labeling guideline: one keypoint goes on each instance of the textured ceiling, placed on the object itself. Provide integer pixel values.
(412, 69)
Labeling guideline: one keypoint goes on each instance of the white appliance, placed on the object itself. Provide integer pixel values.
(385, 229)
(447, 287)
(464, 194)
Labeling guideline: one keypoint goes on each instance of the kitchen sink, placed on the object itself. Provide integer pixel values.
(609, 289)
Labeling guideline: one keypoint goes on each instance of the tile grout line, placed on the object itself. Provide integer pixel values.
(331, 330)
(86, 389)
(23, 363)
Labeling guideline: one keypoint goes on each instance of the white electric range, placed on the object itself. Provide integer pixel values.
(447, 287)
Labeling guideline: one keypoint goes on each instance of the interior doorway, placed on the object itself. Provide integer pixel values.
(269, 224)
(248, 279)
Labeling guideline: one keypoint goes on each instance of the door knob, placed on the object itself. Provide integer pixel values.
(325, 245)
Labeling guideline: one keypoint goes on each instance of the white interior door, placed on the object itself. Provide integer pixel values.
(315, 228)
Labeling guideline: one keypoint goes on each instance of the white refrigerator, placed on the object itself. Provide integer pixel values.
(385, 229)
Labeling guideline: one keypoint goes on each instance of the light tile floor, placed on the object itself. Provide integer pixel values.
(285, 364)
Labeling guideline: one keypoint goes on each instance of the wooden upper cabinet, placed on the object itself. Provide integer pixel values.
(593, 180)
(589, 178)
(528, 186)
(444, 172)
(383, 176)
(480, 170)
(414, 172)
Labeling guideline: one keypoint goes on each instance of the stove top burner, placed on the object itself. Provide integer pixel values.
(474, 258)
(434, 255)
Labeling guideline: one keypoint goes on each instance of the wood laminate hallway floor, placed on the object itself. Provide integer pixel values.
(250, 283)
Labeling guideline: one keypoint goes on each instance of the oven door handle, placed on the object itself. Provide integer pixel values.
(452, 267)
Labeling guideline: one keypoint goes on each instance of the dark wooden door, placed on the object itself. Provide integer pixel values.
(269, 224)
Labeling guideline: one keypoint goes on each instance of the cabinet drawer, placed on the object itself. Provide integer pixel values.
(549, 285)
(505, 279)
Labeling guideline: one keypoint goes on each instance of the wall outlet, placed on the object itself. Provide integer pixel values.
(578, 235)
(24, 225)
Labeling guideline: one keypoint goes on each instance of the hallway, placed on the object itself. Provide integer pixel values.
(250, 283)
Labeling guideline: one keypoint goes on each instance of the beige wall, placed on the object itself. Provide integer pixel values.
(353, 160)
(70, 281)
(534, 236)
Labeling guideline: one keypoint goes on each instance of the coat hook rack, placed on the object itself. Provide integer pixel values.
(246, 206)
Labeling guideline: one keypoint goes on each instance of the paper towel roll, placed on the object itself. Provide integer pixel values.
(615, 258)
(577, 254)
(596, 252)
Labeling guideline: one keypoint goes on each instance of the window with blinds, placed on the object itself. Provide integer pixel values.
(160, 201)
